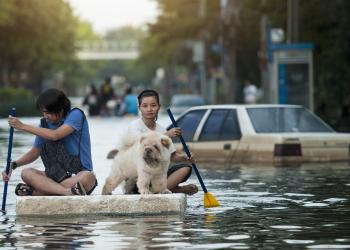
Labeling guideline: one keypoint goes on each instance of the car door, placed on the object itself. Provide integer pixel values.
(189, 124)
(219, 137)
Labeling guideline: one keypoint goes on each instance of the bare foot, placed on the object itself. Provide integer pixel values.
(189, 189)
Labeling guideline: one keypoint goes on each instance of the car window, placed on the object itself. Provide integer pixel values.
(188, 124)
(221, 125)
(230, 129)
(286, 120)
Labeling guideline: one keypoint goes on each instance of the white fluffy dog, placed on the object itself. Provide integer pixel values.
(144, 161)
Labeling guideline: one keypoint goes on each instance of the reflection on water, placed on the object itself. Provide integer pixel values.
(262, 207)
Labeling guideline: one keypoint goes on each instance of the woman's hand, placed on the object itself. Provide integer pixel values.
(190, 159)
(174, 132)
(6, 177)
(15, 122)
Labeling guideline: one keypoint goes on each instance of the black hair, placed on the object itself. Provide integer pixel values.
(54, 101)
(128, 90)
(147, 93)
(108, 80)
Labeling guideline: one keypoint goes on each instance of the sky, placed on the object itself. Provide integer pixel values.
(108, 14)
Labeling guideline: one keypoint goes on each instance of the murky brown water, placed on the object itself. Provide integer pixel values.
(262, 207)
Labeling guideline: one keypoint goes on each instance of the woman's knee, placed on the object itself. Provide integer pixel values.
(89, 181)
(27, 174)
(181, 173)
(184, 173)
(86, 177)
(185, 170)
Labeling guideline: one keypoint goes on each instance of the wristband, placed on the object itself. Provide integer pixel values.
(14, 165)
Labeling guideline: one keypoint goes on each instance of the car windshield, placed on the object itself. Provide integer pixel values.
(184, 101)
(286, 120)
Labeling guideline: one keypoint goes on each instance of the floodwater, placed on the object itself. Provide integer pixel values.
(262, 207)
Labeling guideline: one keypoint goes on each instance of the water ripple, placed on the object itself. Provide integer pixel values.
(262, 207)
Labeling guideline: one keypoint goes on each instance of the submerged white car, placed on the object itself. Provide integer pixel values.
(260, 133)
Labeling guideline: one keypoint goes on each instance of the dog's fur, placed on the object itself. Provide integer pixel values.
(143, 160)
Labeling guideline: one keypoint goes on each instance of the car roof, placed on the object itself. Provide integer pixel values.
(246, 106)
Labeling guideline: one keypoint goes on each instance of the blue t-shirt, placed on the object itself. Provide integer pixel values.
(131, 104)
(74, 119)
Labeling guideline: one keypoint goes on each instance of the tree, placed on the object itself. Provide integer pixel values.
(37, 39)
(179, 25)
(236, 29)
(325, 24)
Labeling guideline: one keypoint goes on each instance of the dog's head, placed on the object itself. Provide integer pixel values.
(155, 148)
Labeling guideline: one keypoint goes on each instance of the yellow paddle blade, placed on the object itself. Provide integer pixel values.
(210, 201)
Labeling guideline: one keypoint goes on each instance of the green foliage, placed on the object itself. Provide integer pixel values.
(20, 98)
(37, 39)
(6, 8)
(178, 22)
(323, 23)
(84, 31)
(11, 94)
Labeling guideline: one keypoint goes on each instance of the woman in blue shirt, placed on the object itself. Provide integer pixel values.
(63, 143)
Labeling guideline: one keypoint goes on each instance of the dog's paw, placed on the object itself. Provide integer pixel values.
(105, 191)
(145, 192)
(166, 191)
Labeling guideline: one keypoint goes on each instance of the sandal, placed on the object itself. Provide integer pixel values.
(78, 189)
(23, 189)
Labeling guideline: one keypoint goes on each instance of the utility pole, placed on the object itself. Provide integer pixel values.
(200, 47)
(230, 11)
(293, 21)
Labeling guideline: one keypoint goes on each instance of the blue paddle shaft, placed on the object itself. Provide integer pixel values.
(9, 151)
(187, 152)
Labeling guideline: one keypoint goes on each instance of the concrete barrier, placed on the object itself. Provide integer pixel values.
(101, 205)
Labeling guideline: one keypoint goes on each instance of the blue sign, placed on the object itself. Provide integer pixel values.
(282, 84)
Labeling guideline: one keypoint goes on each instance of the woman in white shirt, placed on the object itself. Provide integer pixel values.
(149, 106)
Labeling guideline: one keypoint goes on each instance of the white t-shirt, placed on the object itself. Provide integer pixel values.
(137, 127)
(250, 93)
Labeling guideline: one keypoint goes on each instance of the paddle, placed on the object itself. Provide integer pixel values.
(9, 150)
(209, 199)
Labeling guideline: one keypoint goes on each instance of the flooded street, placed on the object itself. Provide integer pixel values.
(262, 207)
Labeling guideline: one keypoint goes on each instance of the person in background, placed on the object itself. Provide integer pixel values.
(63, 143)
(130, 101)
(92, 101)
(250, 92)
(106, 94)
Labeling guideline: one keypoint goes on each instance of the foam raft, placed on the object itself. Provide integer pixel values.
(117, 204)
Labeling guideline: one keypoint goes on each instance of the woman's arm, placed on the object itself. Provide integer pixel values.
(49, 134)
(180, 157)
(29, 157)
